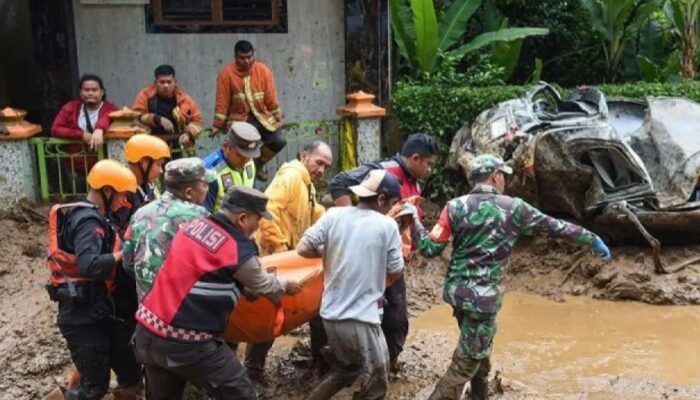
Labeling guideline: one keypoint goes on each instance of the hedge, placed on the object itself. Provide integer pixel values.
(441, 111)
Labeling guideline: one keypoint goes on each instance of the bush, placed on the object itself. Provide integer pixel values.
(441, 111)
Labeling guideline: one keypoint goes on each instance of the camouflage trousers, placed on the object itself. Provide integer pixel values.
(470, 360)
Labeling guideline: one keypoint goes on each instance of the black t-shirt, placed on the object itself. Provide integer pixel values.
(164, 108)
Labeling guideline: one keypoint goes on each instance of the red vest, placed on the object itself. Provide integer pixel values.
(195, 292)
(63, 265)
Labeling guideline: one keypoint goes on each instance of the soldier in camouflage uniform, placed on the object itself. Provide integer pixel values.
(153, 227)
(484, 226)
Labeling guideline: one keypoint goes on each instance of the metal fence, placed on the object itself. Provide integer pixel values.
(63, 164)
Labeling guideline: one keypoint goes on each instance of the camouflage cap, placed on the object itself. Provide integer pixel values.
(487, 164)
(188, 170)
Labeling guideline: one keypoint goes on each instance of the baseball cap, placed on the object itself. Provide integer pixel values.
(487, 164)
(247, 198)
(188, 170)
(378, 182)
(246, 138)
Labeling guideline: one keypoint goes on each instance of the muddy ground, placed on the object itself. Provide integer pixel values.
(33, 358)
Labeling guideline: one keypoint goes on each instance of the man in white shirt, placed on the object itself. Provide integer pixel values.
(361, 248)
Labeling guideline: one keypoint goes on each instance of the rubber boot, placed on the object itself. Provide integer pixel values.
(480, 382)
(331, 384)
(460, 371)
(255, 357)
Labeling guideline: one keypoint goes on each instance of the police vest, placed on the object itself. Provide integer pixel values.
(195, 291)
(63, 266)
(229, 177)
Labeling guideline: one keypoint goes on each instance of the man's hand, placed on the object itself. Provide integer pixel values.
(97, 139)
(167, 125)
(280, 249)
(601, 250)
(185, 139)
(87, 137)
(292, 288)
(118, 256)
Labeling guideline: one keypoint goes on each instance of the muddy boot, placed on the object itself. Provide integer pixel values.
(133, 392)
(331, 384)
(451, 385)
(255, 356)
(479, 389)
(394, 365)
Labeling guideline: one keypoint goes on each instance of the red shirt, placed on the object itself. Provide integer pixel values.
(65, 125)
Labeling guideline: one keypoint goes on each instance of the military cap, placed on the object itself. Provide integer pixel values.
(488, 164)
(378, 182)
(246, 138)
(188, 170)
(247, 198)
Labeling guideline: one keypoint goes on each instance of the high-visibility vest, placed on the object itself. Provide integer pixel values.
(63, 266)
(229, 177)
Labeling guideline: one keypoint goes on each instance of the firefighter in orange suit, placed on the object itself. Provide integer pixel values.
(84, 256)
(170, 112)
(245, 91)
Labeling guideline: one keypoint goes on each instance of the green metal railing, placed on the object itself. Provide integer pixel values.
(63, 164)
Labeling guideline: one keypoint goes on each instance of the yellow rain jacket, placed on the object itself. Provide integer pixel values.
(292, 202)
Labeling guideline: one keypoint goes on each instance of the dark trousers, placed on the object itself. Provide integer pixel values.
(95, 350)
(256, 353)
(273, 142)
(395, 320)
(210, 365)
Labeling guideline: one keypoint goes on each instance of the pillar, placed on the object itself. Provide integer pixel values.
(125, 124)
(18, 175)
(367, 118)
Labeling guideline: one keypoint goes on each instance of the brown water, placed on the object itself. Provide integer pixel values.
(608, 349)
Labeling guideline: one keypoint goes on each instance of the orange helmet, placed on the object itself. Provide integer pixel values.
(143, 145)
(114, 174)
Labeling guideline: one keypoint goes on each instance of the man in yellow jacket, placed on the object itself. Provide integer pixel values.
(294, 208)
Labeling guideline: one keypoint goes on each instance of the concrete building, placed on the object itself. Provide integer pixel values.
(49, 43)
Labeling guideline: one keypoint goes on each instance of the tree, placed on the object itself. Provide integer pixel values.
(421, 39)
(683, 15)
(617, 21)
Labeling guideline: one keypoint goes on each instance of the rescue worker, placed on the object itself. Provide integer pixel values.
(168, 110)
(484, 226)
(152, 228)
(84, 257)
(184, 315)
(418, 154)
(146, 155)
(361, 248)
(245, 91)
(294, 208)
(233, 162)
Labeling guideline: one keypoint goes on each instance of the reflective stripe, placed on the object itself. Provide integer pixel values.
(212, 285)
(244, 178)
(221, 293)
(251, 103)
(220, 117)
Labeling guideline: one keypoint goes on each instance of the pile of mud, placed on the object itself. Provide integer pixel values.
(33, 356)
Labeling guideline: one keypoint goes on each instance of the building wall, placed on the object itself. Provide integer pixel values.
(308, 61)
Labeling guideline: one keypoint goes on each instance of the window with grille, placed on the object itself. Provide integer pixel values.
(207, 16)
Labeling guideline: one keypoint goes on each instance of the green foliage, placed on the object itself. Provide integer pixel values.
(420, 39)
(442, 110)
(480, 72)
(570, 53)
(617, 22)
(684, 16)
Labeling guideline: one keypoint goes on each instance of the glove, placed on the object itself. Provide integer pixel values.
(601, 250)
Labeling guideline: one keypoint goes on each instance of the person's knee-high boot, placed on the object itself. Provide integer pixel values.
(451, 385)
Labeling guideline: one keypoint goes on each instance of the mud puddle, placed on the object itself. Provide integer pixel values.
(608, 350)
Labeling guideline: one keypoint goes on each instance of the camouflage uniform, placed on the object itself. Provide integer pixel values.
(153, 227)
(484, 226)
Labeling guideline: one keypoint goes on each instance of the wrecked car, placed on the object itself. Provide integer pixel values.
(627, 169)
